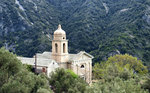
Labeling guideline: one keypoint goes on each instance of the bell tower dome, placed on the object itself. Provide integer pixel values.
(60, 46)
(59, 34)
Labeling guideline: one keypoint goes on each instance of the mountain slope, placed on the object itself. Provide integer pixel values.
(101, 27)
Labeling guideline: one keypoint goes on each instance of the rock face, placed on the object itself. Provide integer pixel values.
(95, 26)
(148, 19)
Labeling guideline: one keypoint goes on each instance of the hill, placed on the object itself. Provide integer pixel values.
(101, 27)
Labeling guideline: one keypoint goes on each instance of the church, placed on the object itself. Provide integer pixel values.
(80, 63)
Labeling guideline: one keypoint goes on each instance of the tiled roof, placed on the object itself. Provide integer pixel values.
(44, 55)
(77, 56)
(40, 61)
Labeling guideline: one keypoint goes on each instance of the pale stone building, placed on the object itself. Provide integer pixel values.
(80, 63)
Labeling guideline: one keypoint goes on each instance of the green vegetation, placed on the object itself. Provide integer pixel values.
(119, 74)
(146, 84)
(18, 78)
(89, 27)
(72, 73)
(123, 65)
(116, 86)
(67, 82)
(15, 78)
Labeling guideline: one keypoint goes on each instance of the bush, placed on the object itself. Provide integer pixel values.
(42, 90)
(9, 66)
(124, 66)
(63, 81)
(116, 86)
(132, 62)
(15, 78)
(146, 84)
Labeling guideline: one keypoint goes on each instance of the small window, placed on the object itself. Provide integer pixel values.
(64, 48)
(63, 37)
(82, 66)
(56, 48)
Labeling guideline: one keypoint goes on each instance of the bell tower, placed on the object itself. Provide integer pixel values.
(60, 46)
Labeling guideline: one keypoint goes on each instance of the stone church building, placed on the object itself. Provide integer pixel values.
(80, 63)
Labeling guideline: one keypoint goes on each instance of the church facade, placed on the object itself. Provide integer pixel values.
(80, 63)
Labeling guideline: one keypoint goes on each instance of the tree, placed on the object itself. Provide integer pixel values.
(118, 85)
(15, 78)
(98, 70)
(124, 66)
(120, 74)
(41, 90)
(66, 81)
(9, 66)
(25, 82)
(133, 63)
(146, 84)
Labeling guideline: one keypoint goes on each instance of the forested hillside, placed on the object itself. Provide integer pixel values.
(101, 27)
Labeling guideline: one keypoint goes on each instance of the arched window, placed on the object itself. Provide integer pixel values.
(56, 48)
(82, 66)
(64, 48)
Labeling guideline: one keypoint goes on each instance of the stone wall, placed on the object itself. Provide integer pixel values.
(83, 68)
